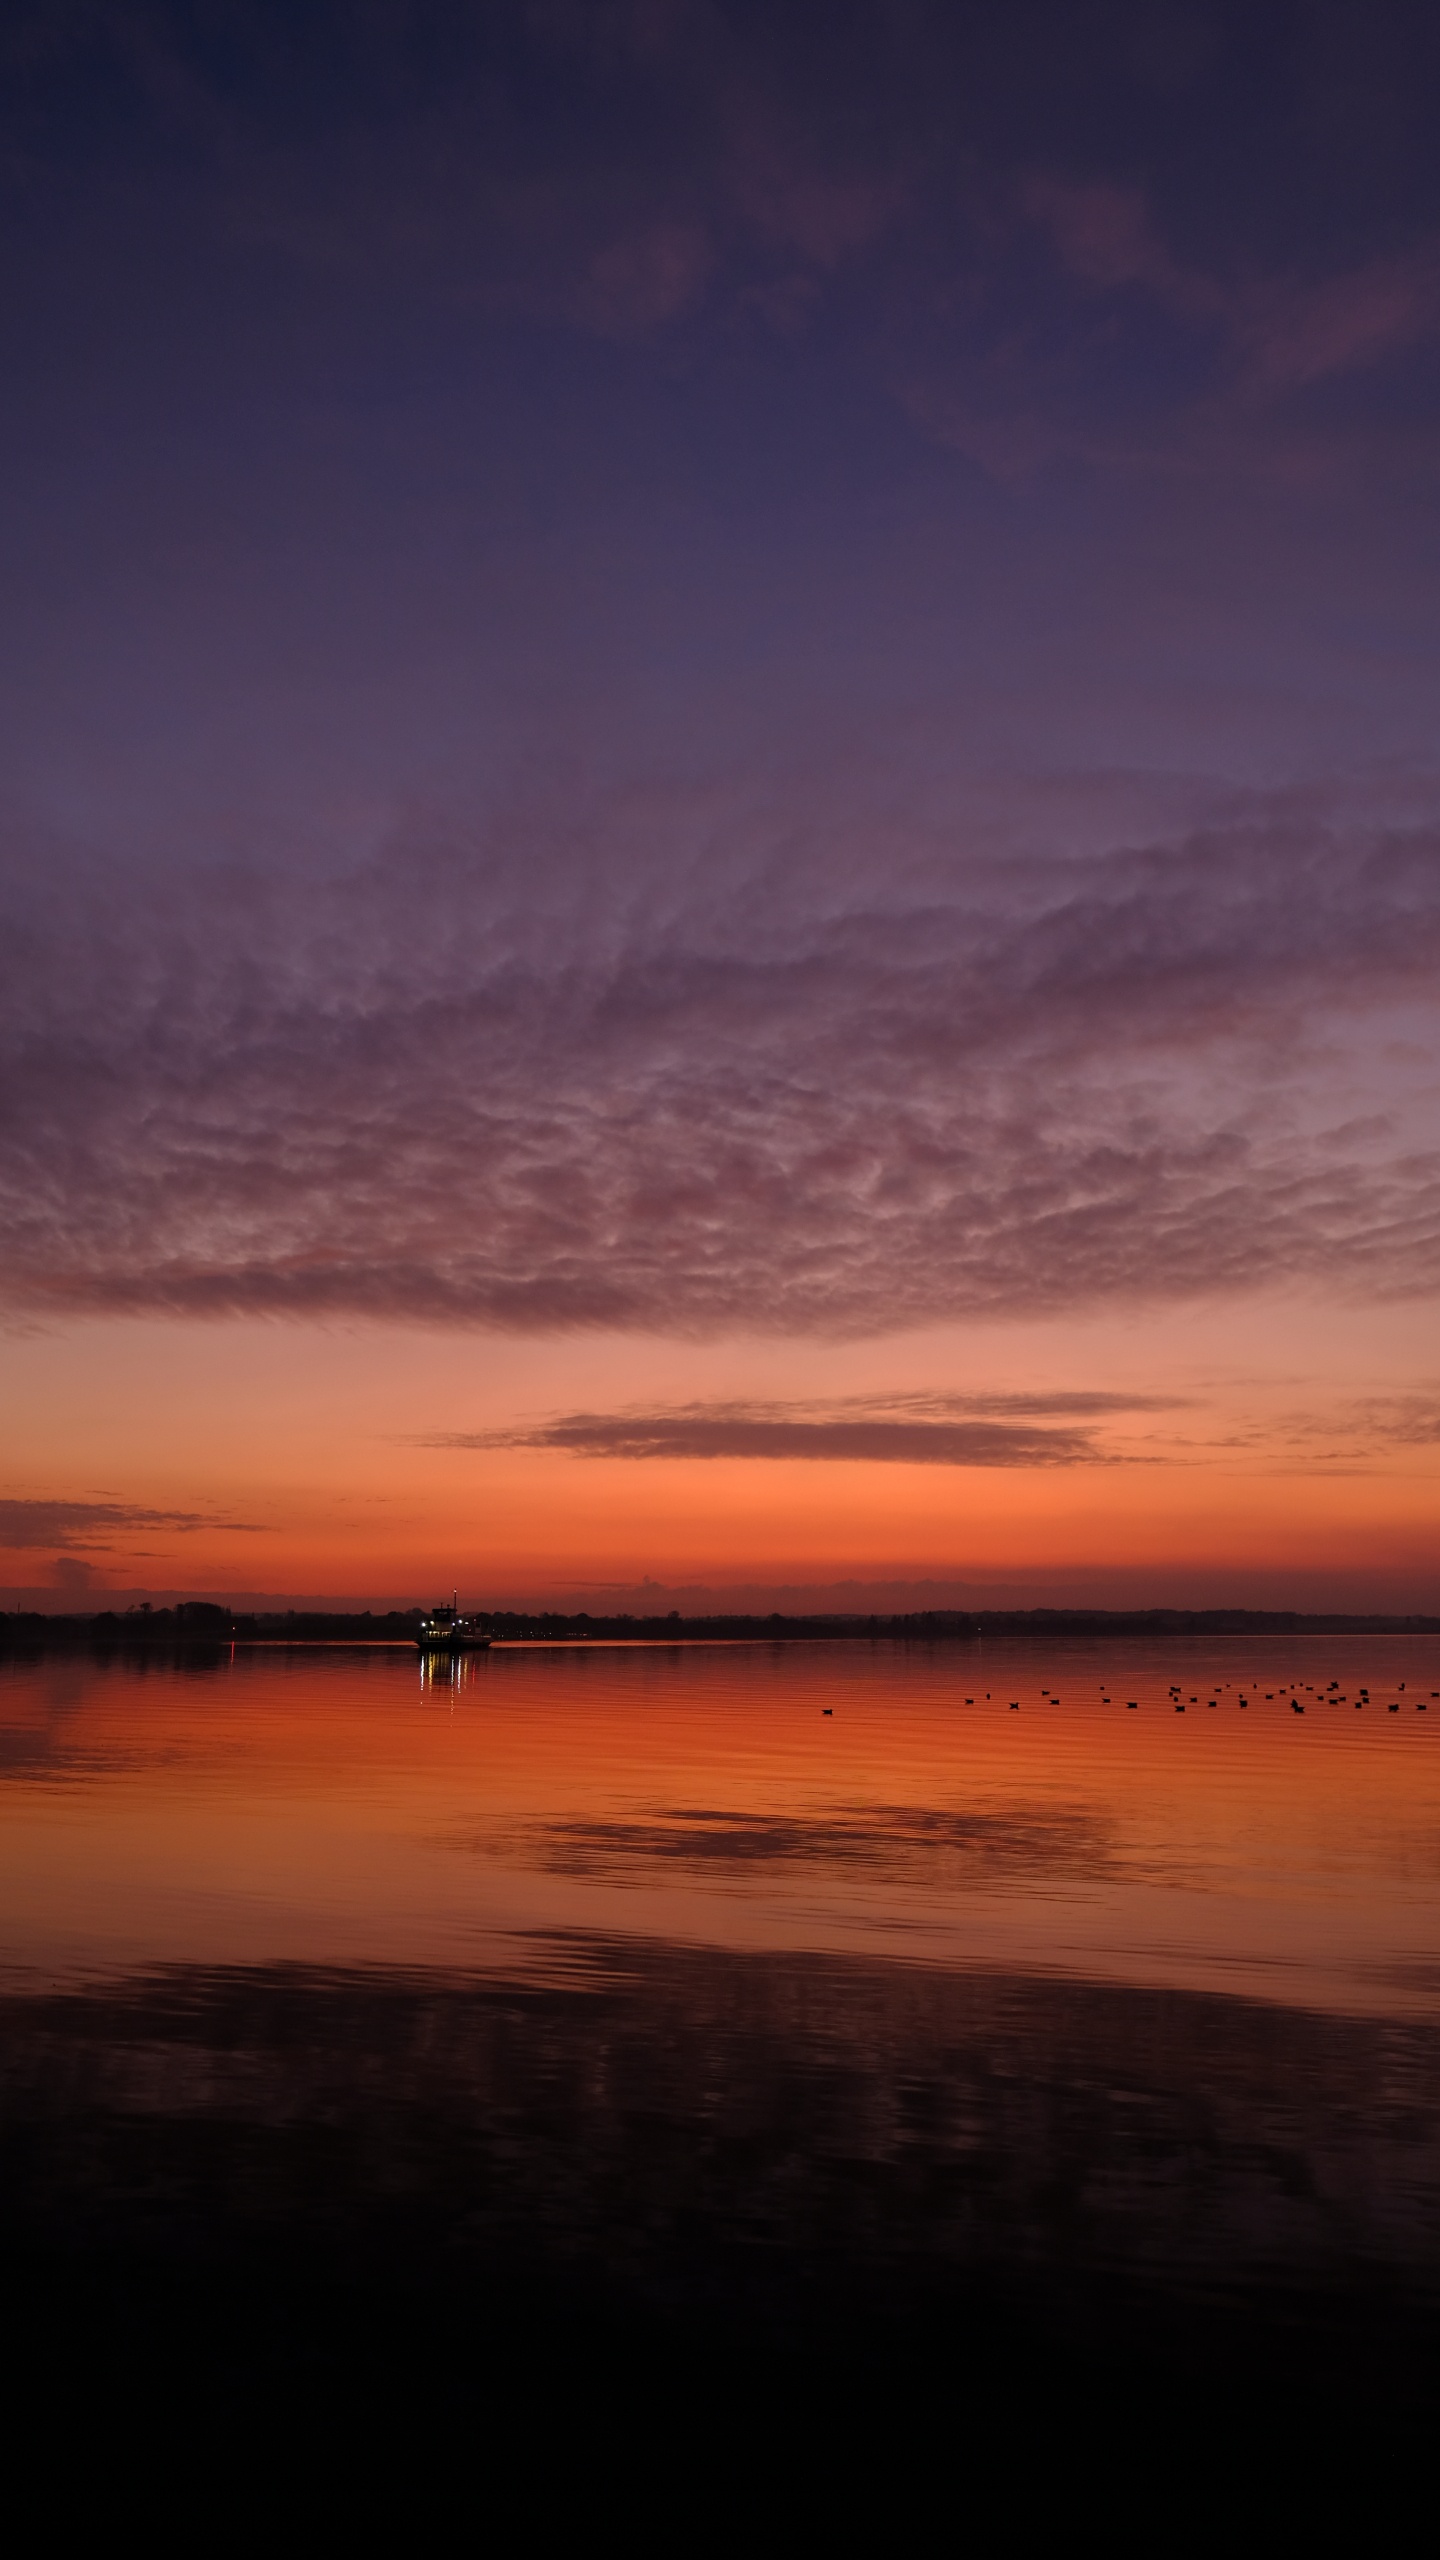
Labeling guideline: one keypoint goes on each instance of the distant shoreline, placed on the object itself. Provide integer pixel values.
(209, 1625)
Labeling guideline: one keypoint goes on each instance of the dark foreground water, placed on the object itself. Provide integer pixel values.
(730, 2073)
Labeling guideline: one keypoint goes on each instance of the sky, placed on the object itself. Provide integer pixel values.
(719, 802)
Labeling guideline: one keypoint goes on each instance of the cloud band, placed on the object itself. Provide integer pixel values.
(1151, 1075)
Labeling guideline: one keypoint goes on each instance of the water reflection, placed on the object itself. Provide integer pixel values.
(802, 1987)
(452, 1672)
(735, 2135)
(909, 1843)
(344, 1806)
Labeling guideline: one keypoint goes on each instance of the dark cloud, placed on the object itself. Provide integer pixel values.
(534, 1089)
(93, 1525)
(660, 1435)
(937, 1431)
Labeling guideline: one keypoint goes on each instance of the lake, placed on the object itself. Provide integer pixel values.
(823, 2008)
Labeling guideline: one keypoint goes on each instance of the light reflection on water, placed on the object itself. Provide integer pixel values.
(1035, 1811)
(812, 1985)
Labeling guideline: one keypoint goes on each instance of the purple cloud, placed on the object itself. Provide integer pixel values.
(1291, 336)
(737, 1431)
(530, 1095)
(1105, 235)
(1281, 332)
(493, 392)
(905, 1430)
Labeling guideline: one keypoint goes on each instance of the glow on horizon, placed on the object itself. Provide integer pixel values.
(1224, 1471)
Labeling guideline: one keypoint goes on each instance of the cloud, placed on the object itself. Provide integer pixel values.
(935, 1431)
(741, 1435)
(1195, 366)
(1105, 236)
(1292, 335)
(1282, 332)
(786, 192)
(1411, 1421)
(73, 1574)
(587, 168)
(531, 1088)
(620, 171)
(1365, 1427)
(637, 283)
(89, 1525)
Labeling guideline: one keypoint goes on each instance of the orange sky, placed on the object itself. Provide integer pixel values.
(1291, 1467)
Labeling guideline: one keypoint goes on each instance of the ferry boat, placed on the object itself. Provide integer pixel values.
(445, 1631)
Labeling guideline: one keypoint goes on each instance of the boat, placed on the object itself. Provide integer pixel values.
(445, 1631)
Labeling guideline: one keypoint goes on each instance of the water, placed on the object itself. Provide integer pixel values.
(782, 1999)
(958, 1807)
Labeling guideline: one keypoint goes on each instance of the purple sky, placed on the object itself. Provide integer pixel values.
(694, 669)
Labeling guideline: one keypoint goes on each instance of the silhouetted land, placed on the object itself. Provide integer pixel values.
(208, 1623)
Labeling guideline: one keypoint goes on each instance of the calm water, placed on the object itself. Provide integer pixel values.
(757, 1988)
(1044, 1814)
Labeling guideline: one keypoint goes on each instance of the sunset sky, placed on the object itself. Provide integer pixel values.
(719, 801)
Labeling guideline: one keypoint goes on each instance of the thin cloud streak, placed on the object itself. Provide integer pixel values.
(1370, 1426)
(738, 1435)
(72, 1526)
(909, 1430)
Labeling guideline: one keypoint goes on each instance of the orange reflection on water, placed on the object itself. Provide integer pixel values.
(339, 1806)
